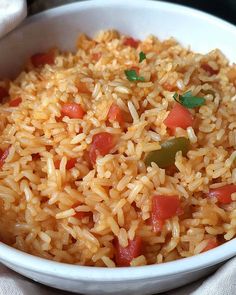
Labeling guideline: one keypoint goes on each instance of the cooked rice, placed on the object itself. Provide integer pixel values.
(39, 202)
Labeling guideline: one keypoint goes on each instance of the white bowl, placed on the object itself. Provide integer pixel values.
(61, 26)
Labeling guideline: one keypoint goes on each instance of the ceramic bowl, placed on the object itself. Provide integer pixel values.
(60, 27)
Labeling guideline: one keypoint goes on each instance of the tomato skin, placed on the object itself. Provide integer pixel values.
(223, 194)
(211, 244)
(70, 163)
(3, 156)
(72, 110)
(124, 256)
(115, 114)
(101, 145)
(164, 207)
(3, 93)
(15, 102)
(41, 59)
(129, 41)
(179, 116)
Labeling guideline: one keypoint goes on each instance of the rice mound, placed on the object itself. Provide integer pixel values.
(38, 203)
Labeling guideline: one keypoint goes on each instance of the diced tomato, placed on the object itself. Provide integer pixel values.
(82, 88)
(129, 41)
(70, 164)
(115, 114)
(3, 156)
(15, 102)
(41, 59)
(206, 67)
(164, 207)
(124, 256)
(72, 110)
(3, 93)
(179, 116)
(101, 145)
(211, 243)
(96, 56)
(223, 194)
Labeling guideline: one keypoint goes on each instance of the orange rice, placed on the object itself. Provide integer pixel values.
(39, 202)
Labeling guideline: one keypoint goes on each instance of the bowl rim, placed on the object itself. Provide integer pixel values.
(11, 256)
(85, 4)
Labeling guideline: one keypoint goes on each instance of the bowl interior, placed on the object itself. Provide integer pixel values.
(61, 26)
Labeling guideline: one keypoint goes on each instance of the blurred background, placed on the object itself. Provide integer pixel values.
(225, 9)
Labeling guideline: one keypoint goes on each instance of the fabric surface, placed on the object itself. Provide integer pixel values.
(222, 282)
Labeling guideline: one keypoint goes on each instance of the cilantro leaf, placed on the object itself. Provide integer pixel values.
(142, 56)
(132, 76)
(188, 100)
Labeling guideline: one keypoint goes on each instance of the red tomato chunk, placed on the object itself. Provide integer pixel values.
(164, 207)
(129, 41)
(179, 116)
(70, 164)
(3, 156)
(102, 144)
(41, 59)
(209, 69)
(211, 244)
(223, 194)
(15, 102)
(72, 110)
(3, 93)
(115, 114)
(125, 255)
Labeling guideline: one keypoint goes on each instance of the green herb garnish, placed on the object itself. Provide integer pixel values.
(142, 56)
(188, 100)
(132, 76)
